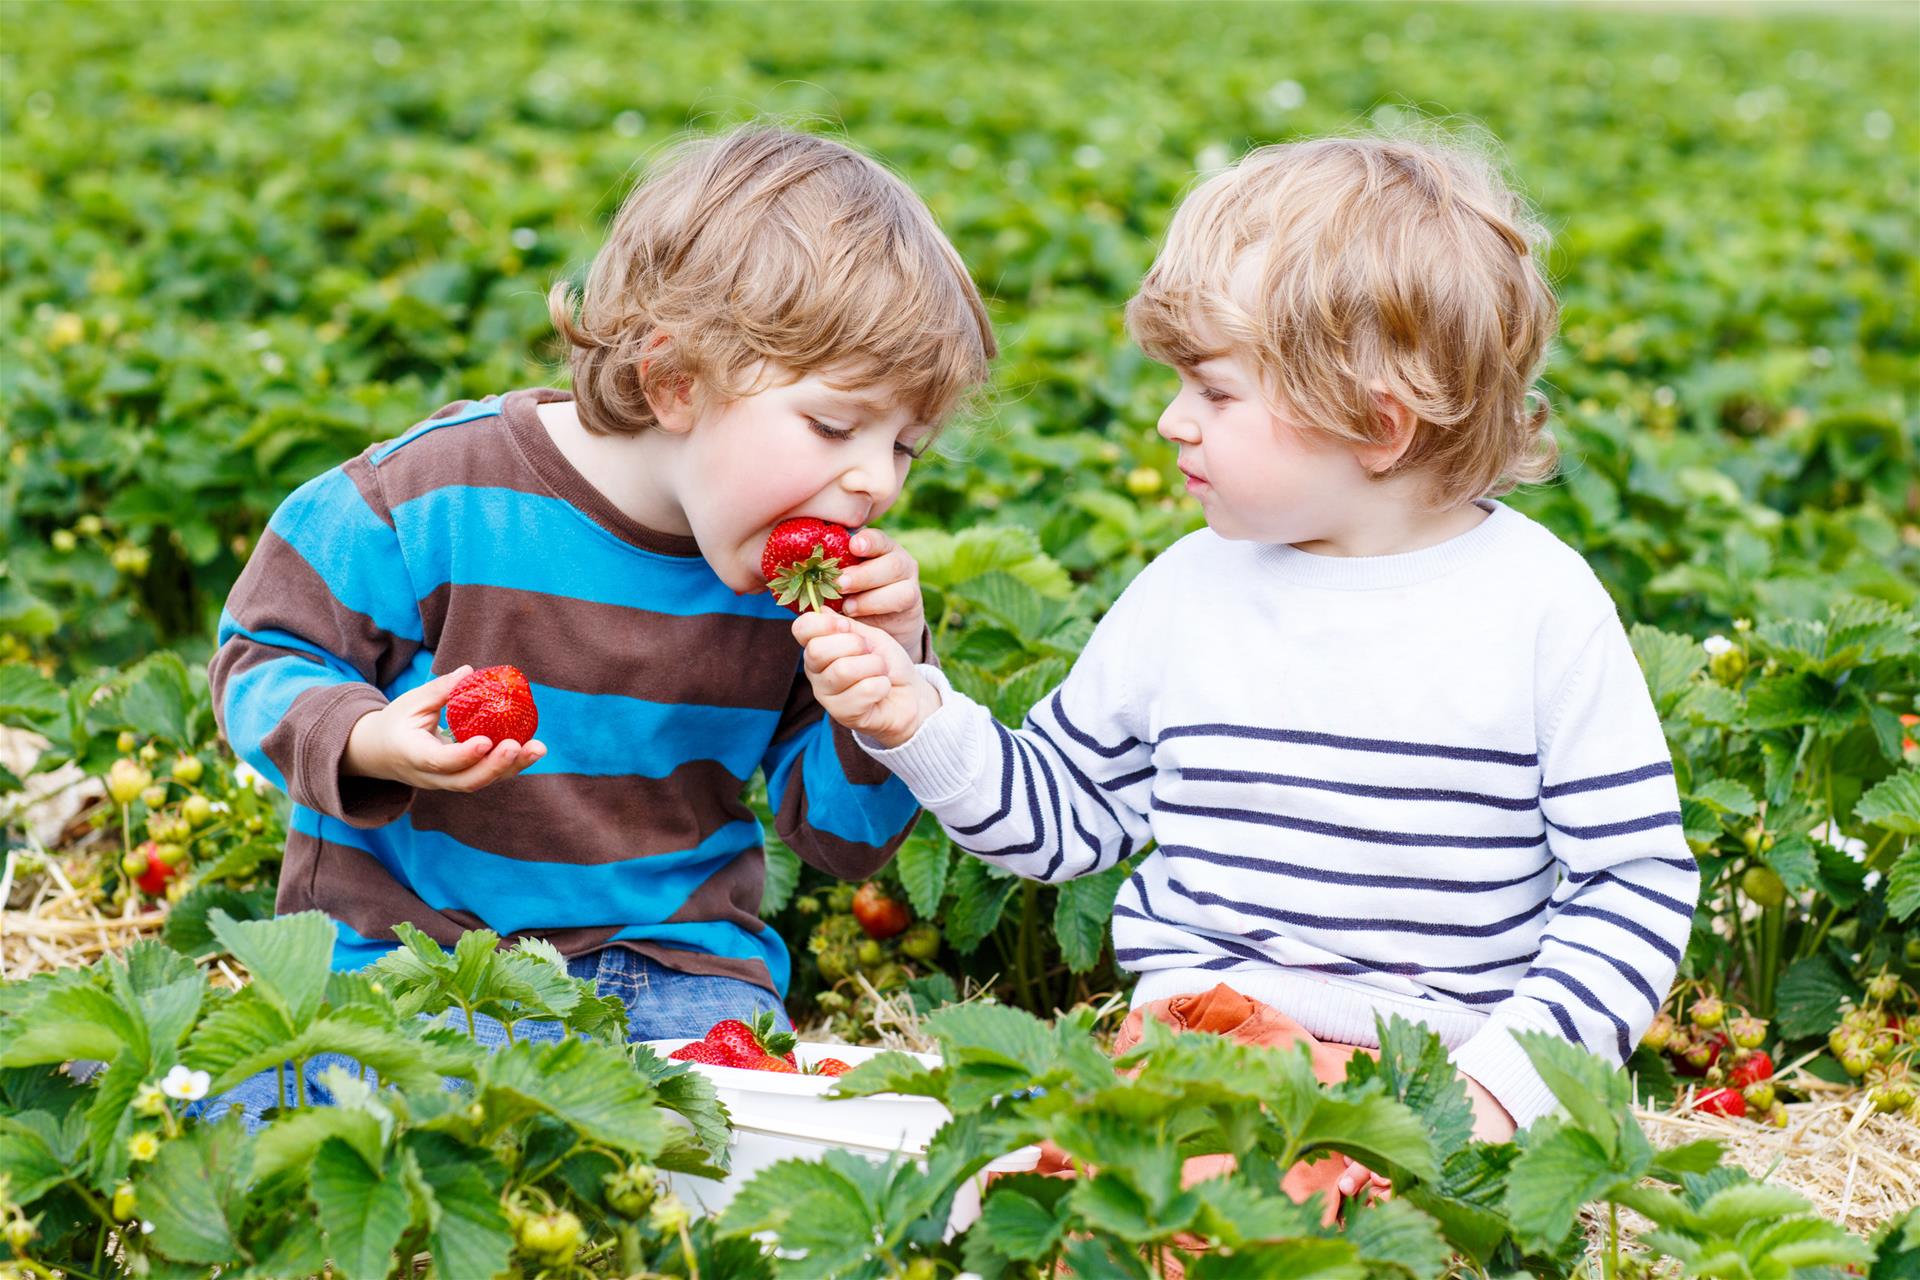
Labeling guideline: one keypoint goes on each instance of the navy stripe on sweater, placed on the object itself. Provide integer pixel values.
(1418, 840)
(1516, 803)
(1259, 733)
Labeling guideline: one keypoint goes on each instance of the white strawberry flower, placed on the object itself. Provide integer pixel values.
(1716, 645)
(146, 1228)
(188, 1086)
(248, 776)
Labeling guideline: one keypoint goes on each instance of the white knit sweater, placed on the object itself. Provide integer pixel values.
(1430, 784)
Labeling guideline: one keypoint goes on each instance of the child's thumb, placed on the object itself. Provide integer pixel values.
(435, 692)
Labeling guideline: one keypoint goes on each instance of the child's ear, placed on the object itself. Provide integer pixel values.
(671, 401)
(1397, 424)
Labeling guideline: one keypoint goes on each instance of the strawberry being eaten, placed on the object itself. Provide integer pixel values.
(494, 703)
(802, 563)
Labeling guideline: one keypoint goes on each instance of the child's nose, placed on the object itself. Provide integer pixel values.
(1176, 426)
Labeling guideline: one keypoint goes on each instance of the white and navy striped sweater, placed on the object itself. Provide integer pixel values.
(1431, 784)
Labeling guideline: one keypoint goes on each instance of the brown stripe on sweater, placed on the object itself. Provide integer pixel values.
(351, 886)
(802, 711)
(476, 453)
(838, 857)
(588, 819)
(280, 591)
(712, 659)
(308, 745)
(360, 471)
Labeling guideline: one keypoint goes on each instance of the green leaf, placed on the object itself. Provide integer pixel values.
(980, 894)
(1108, 1201)
(922, 863)
(27, 698)
(291, 1141)
(1593, 1093)
(194, 1192)
(783, 875)
(155, 700)
(470, 1235)
(363, 1210)
(1561, 1169)
(590, 1086)
(1806, 1242)
(992, 1033)
(1082, 911)
(1728, 1210)
(289, 958)
(1375, 1130)
(1797, 863)
(1893, 804)
(1414, 1064)
(33, 1155)
(826, 1208)
(1903, 884)
(1728, 796)
(1668, 661)
(1020, 1226)
(1393, 1233)
(1807, 995)
(186, 929)
(71, 1022)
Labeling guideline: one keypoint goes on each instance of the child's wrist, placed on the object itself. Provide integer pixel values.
(926, 702)
(363, 757)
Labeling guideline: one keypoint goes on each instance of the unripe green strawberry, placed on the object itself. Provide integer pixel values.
(1882, 987)
(125, 1203)
(1883, 1046)
(1707, 1012)
(126, 779)
(1856, 1062)
(1759, 1096)
(1764, 886)
(188, 769)
(668, 1216)
(1861, 1020)
(630, 1191)
(153, 797)
(1748, 1033)
(1699, 1055)
(1777, 1115)
(149, 753)
(197, 810)
(18, 1233)
(870, 954)
(126, 743)
(921, 942)
(1727, 666)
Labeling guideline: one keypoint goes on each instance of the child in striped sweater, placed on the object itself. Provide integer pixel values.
(1374, 742)
(774, 328)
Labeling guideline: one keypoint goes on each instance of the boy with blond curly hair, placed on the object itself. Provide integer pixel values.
(1384, 734)
(774, 328)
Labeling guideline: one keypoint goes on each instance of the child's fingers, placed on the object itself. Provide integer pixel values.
(841, 676)
(497, 764)
(895, 566)
(432, 695)
(895, 597)
(810, 626)
(827, 650)
(430, 755)
(872, 544)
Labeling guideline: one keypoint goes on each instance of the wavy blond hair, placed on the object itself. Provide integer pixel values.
(765, 247)
(1342, 266)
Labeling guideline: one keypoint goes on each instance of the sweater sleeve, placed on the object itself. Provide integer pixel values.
(321, 620)
(1066, 794)
(1620, 918)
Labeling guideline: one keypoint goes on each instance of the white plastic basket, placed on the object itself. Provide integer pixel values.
(782, 1117)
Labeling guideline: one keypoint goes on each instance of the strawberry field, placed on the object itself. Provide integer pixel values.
(242, 242)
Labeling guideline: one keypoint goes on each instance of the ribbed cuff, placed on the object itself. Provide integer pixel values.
(1495, 1059)
(319, 784)
(939, 762)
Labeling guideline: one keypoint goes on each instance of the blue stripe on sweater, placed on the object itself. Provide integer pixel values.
(330, 525)
(516, 894)
(351, 951)
(609, 734)
(863, 812)
(257, 701)
(565, 554)
(488, 407)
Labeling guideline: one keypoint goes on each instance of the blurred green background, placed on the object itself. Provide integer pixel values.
(241, 241)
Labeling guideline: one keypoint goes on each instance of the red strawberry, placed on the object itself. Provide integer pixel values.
(829, 1067)
(493, 702)
(1752, 1069)
(700, 1051)
(153, 881)
(879, 913)
(1721, 1102)
(771, 1063)
(736, 1043)
(744, 1044)
(802, 563)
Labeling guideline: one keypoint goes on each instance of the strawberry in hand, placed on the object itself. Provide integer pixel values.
(493, 702)
(802, 562)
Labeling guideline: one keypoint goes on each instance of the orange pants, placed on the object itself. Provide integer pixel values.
(1224, 1011)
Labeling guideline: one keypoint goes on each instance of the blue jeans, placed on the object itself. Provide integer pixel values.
(662, 1004)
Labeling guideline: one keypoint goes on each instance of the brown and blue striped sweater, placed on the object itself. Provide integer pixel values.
(471, 539)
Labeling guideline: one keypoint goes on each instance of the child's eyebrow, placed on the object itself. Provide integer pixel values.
(867, 405)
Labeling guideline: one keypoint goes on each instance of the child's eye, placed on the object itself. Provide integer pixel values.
(1214, 397)
(830, 433)
(912, 454)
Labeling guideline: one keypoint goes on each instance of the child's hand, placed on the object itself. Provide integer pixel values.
(863, 678)
(883, 590)
(398, 743)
